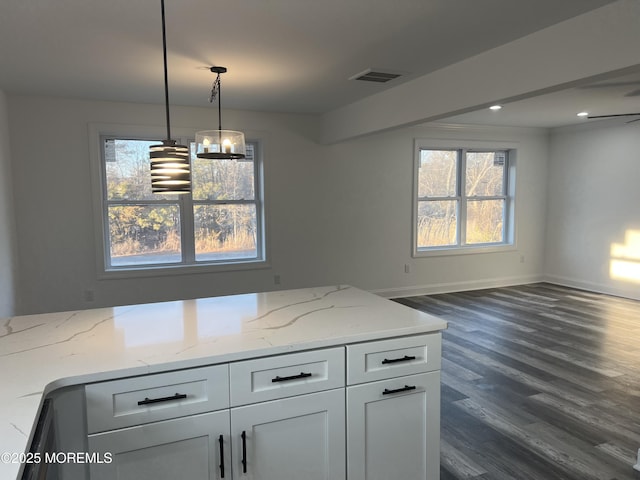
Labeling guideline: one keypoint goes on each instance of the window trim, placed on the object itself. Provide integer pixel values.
(509, 226)
(99, 131)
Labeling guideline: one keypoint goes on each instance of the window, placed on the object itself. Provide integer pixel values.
(463, 199)
(219, 223)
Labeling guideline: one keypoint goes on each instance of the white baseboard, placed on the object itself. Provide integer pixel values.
(631, 292)
(434, 288)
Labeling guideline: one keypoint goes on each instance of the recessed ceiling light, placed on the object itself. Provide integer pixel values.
(495, 108)
(583, 114)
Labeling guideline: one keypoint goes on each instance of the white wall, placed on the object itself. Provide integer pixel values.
(594, 203)
(337, 214)
(370, 197)
(7, 224)
(53, 195)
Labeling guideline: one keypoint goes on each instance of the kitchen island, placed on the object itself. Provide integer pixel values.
(43, 353)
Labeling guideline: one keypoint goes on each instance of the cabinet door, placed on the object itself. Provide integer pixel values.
(393, 429)
(294, 438)
(182, 448)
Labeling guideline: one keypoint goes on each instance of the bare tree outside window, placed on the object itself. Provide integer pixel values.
(218, 222)
(438, 182)
(484, 190)
(461, 198)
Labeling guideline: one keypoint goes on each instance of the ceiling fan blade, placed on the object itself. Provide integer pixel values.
(614, 115)
(634, 93)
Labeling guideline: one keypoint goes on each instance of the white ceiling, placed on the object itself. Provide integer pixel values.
(282, 55)
(614, 95)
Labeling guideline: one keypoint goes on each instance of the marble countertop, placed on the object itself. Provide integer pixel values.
(40, 353)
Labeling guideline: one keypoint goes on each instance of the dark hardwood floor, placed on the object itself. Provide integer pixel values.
(538, 382)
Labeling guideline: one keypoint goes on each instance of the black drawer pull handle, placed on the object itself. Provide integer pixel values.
(221, 442)
(177, 396)
(244, 451)
(406, 388)
(406, 358)
(292, 377)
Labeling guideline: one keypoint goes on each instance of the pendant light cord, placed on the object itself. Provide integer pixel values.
(166, 75)
(215, 93)
(219, 103)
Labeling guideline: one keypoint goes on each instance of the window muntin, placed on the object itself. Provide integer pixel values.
(462, 199)
(220, 223)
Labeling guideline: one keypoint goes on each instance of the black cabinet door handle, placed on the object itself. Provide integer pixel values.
(292, 377)
(406, 388)
(406, 358)
(177, 396)
(244, 451)
(221, 442)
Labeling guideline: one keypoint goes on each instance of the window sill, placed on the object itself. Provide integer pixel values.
(470, 250)
(167, 270)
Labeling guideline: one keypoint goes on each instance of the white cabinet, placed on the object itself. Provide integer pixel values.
(366, 411)
(294, 438)
(275, 430)
(393, 429)
(393, 409)
(395, 357)
(287, 439)
(270, 378)
(137, 400)
(194, 448)
(282, 431)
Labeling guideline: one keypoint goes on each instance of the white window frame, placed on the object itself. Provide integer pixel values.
(509, 224)
(97, 134)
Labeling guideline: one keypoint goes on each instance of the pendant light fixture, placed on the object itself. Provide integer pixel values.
(170, 169)
(219, 144)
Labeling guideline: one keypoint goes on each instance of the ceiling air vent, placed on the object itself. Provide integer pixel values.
(370, 75)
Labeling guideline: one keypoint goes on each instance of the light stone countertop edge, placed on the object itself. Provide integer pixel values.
(45, 352)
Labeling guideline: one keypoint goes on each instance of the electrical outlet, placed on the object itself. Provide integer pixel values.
(407, 268)
(276, 279)
(89, 295)
(521, 258)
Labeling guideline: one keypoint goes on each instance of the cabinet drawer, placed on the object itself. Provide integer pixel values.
(371, 361)
(286, 375)
(149, 398)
